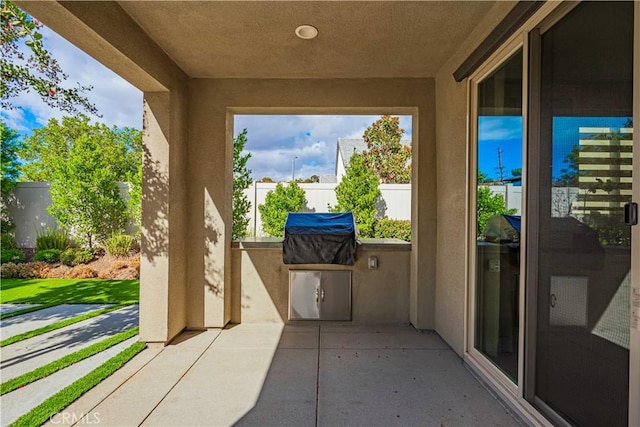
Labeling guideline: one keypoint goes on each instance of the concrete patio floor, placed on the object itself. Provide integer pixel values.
(297, 375)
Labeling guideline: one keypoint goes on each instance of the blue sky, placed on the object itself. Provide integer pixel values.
(273, 140)
(505, 132)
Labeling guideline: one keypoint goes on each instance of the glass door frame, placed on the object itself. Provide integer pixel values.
(483, 363)
(521, 395)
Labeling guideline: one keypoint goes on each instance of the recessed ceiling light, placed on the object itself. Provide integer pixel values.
(306, 32)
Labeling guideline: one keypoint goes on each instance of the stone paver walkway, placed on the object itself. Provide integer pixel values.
(24, 356)
(10, 308)
(22, 400)
(47, 316)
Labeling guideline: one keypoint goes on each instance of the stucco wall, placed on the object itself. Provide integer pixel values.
(452, 151)
(260, 284)
(212, 103)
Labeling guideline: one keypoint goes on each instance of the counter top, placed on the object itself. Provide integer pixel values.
(364, 244)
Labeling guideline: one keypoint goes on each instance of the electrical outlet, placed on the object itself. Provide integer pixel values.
(372, 263)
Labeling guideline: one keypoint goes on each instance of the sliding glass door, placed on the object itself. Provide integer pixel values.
(554, 264)
(579, 187)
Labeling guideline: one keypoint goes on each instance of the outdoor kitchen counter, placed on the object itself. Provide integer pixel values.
(260, 281)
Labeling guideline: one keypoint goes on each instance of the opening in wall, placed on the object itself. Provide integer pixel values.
(322, 163)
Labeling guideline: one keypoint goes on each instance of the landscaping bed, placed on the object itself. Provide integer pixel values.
(101, 267)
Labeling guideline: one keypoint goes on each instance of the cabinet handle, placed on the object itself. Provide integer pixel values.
(317, 294)
(322, 295)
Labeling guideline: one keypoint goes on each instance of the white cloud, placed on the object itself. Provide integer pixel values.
(498, 128)
(274, 141)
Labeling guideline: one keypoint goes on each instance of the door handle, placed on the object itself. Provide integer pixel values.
(631, 213)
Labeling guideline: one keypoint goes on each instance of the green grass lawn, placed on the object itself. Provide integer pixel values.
(69, 291)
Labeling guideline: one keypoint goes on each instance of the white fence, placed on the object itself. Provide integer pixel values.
(28, 206)
(511, 194)
(395, 203)
(28, 209)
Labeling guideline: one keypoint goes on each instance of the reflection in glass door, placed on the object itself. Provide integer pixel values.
(580, 186)
(498, 206)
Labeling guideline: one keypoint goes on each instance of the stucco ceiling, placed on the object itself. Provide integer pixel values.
(356, 39)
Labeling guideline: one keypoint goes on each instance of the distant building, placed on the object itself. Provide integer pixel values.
(344, 150)
(604, 164)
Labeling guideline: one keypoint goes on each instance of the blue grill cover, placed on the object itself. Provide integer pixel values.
(319, 238)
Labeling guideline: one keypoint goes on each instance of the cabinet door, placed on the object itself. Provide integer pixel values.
(304, 295)
(335, 295)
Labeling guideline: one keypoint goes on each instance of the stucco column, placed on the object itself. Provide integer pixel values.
(210, 209)
(163, 259)
(424, 199)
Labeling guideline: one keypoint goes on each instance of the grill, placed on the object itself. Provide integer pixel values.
(319, 238)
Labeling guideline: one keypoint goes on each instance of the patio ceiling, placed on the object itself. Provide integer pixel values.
(356, 39)
(255, 39)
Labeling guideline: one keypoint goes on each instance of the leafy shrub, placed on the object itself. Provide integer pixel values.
(392, 229)
(9, 270)
(28, 270)
(81, 272)
(277, 204)
(51, 238)
(120, 245)
(76, 256)
(48, 255)
(12, 255)
(7, 241)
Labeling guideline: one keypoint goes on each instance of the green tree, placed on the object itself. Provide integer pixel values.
(50, 144)
(482, 177)
(134, 204)
(277, 204)
(569, 176)
(359, 192)
(489, 204)
(10, 173)
(84, 194)
(310, 180)
(385, 155)
(121, 150)
(26, 65)
(241, 181)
